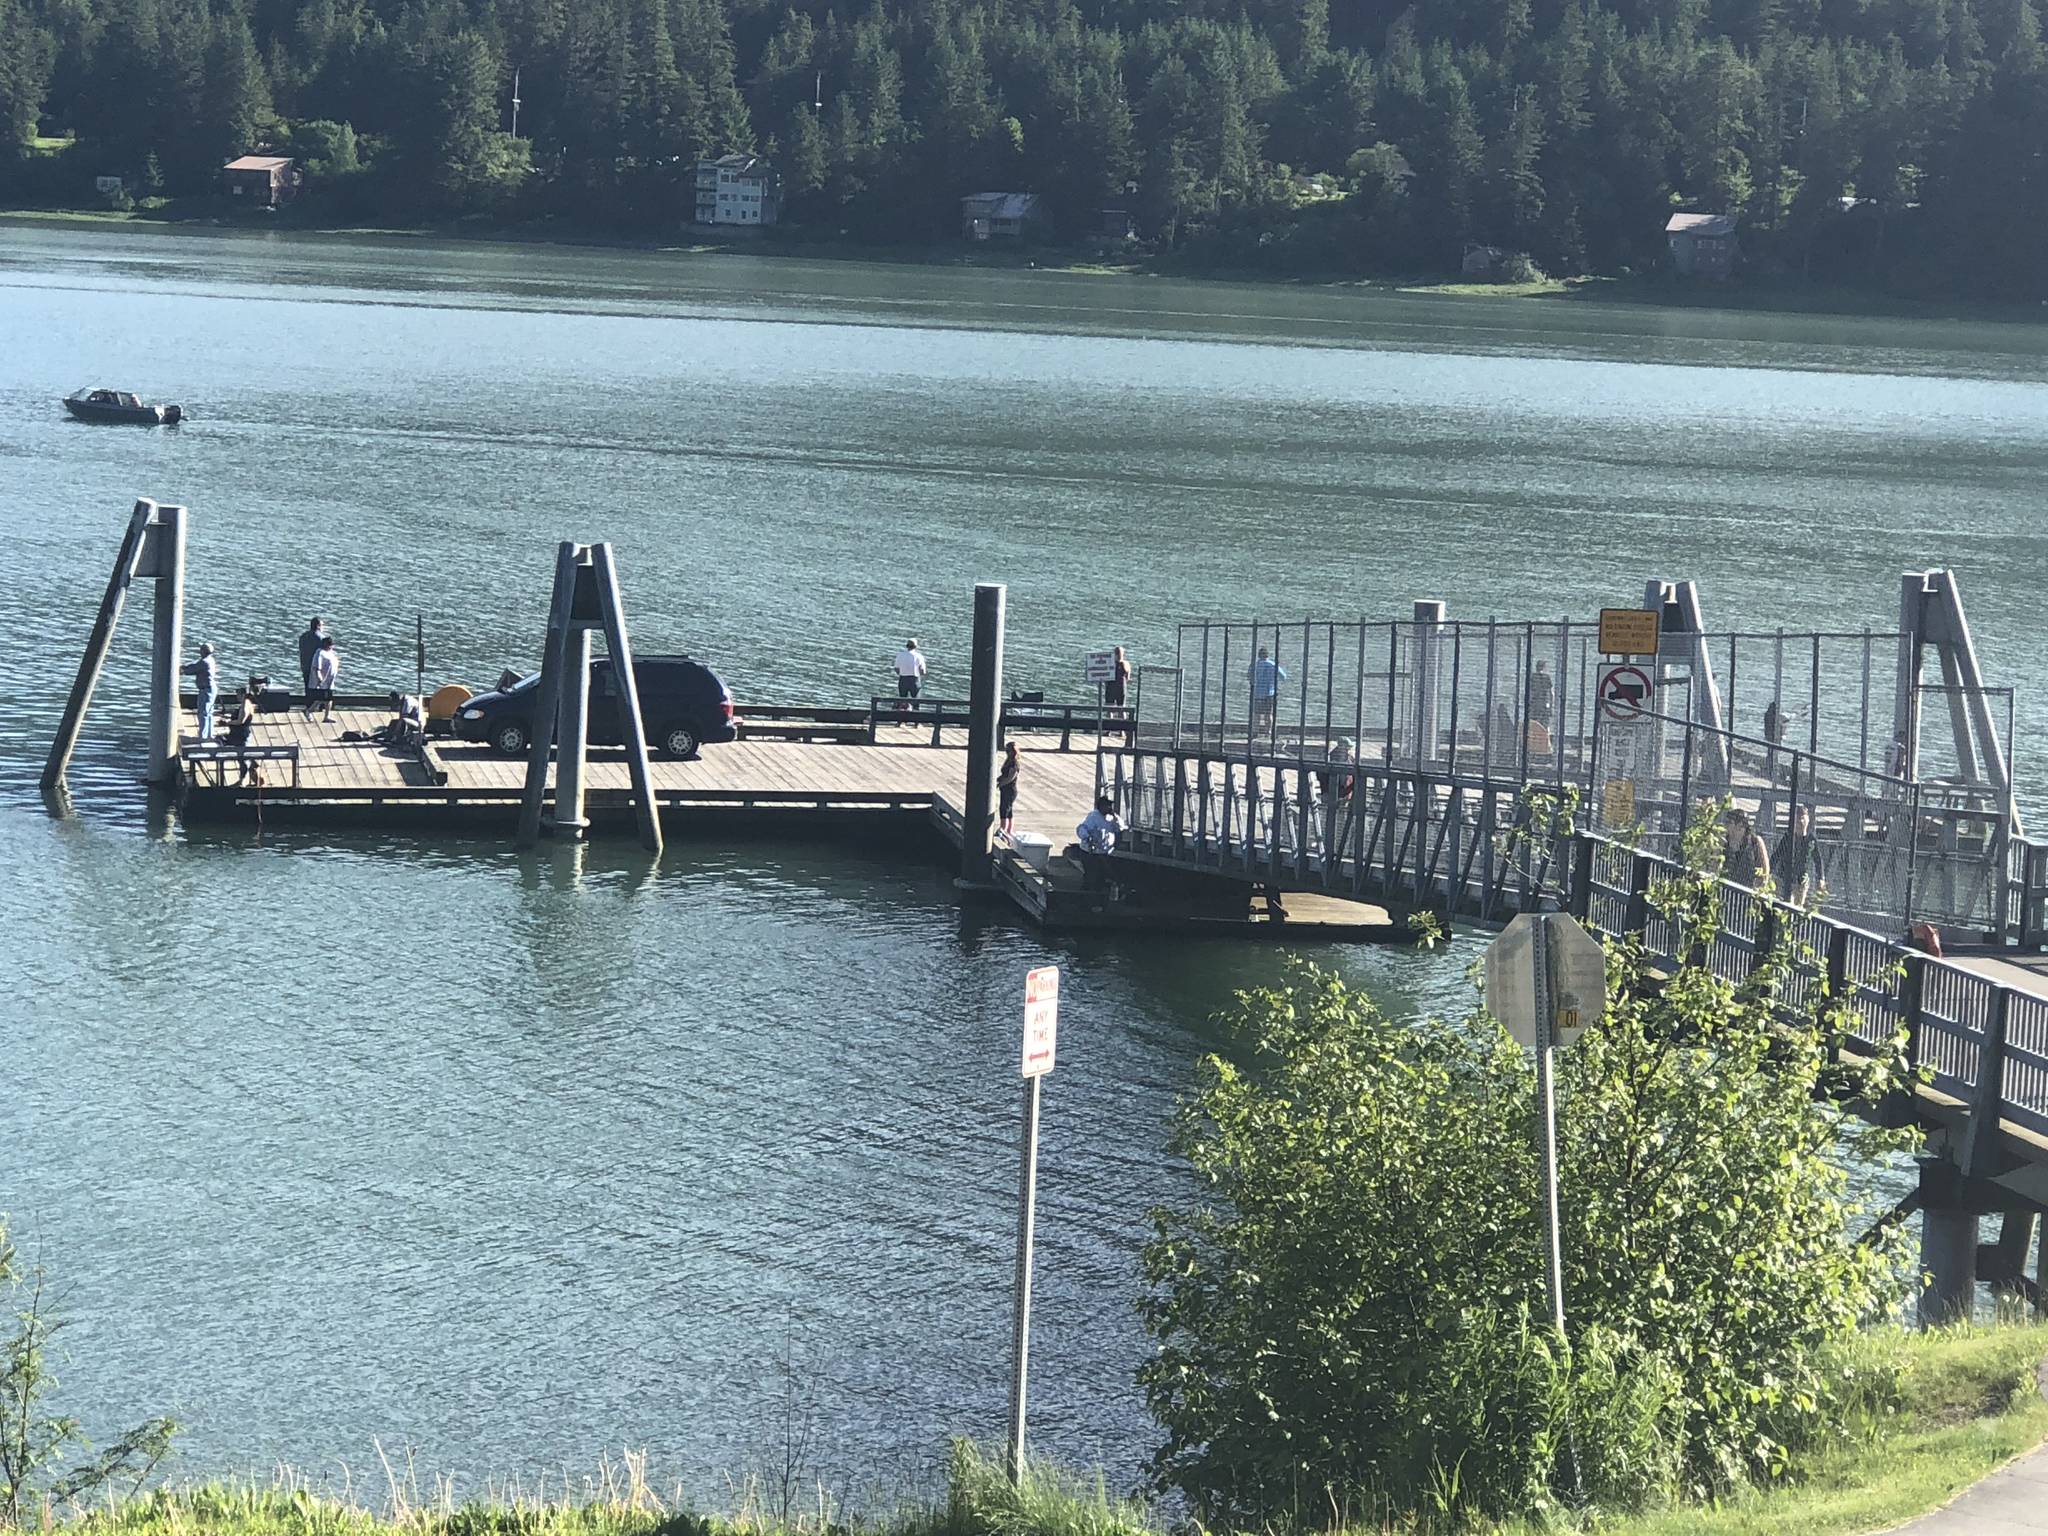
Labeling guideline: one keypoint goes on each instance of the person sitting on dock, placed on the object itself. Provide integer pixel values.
(206, 679)
(1098, 833)
(326, 668)
(240, 724)
(910, 670)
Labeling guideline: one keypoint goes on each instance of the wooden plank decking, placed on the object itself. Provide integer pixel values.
(899, 780)
(1054, 792)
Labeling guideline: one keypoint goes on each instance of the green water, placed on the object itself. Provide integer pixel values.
(520, 1159)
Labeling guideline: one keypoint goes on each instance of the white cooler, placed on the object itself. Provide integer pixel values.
(1033, 849)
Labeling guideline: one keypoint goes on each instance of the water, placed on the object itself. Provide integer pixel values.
(518, 1159)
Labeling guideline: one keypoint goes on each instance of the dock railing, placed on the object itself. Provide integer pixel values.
(1881, 850)
(1984, 1042)
(1080, 726)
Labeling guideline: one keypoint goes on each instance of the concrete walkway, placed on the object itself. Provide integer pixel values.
(2012, 1501)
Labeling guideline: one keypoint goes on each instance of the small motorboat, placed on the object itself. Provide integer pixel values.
(117, 405)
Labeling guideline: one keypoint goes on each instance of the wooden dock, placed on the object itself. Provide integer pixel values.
(898, 788)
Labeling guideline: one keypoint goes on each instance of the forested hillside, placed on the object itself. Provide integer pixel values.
(1901, 142)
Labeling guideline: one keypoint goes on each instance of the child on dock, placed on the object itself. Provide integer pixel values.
(206, 679)
(320, 685)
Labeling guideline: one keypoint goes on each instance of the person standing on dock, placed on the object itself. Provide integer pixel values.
(309, 647)
(1006, 788)
(910, 670)
(206, 680)
(1267, 675)
(326, 668)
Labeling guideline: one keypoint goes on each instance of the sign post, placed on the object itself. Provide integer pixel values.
(1041, 1036)
(1546, 980)
(1099, 668)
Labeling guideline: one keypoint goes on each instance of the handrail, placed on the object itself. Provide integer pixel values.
(1016, 714)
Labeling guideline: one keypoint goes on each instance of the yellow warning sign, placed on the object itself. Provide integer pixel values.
(1628, 632)
(1618, 803)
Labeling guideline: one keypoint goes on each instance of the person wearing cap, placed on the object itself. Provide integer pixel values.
(205, 673)
(910, 671)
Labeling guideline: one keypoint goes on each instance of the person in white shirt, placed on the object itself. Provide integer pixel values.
(326, 668)
(1098, 833)
(910, 671)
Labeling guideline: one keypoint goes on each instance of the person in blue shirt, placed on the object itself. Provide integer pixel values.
(205, 674)
(1267, 675)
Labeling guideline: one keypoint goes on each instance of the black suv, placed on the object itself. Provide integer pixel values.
(683, 702)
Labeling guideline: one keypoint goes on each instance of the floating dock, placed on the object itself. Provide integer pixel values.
(896, 787)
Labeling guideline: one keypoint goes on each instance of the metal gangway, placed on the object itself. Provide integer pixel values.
(1396, 761)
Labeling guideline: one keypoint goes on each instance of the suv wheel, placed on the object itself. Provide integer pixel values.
(678, 741)
(510, 738)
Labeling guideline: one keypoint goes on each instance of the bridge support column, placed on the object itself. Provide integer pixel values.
(984, 727)
(2005, 1263)
(1948, 1246)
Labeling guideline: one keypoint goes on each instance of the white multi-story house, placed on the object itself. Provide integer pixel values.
(737, 189)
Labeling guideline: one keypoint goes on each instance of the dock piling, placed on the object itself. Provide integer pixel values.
(163, 557)
(633, 725)
(984, 717)
(153, 546)
(554, 659)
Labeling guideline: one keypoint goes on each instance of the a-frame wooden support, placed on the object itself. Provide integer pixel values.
(585, 598)
(153, 547)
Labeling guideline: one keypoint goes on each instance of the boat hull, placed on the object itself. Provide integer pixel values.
(123, 415)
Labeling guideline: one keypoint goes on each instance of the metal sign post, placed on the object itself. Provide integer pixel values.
(1546, 980)
(1546, 1114)
(1041, 1035)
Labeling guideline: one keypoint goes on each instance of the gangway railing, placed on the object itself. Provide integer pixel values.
(1468, 846)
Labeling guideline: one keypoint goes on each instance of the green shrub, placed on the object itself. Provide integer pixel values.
(1345, 1321)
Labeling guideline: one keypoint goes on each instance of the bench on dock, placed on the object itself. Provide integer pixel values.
(217, 756)
(788, 722)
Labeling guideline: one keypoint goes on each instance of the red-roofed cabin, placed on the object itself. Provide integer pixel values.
(264, 181)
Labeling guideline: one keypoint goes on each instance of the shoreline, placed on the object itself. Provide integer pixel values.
(1787, 299)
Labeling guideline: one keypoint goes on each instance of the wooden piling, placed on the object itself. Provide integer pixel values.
(163, 557)
(96, 647)
(633, 728)
(554, 658)
(984, 722)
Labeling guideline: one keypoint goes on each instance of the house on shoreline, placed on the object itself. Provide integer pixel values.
(1000, 215)
(737, 190)
(1702, 244)
(263, 181)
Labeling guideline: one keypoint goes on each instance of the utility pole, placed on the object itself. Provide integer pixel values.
(515, 103)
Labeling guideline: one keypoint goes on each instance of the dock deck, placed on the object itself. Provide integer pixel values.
(899, 786)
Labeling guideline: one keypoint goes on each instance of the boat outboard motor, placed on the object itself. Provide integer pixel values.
(173, 414)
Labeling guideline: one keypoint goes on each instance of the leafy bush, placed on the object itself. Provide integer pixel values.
(1354, 1321)
(37, 1469)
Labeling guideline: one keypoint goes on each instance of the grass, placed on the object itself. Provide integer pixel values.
(1965, 1402)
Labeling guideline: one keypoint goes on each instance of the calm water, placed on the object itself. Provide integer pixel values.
(519, 1159)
